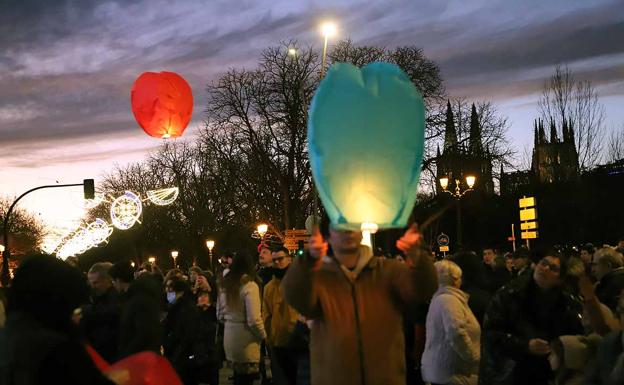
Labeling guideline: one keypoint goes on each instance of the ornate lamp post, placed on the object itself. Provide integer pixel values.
(458, 193)
(174, 255)
(262, 230)
(210, 245)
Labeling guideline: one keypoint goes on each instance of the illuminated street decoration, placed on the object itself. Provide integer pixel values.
(164, 196)
(126, 210)
(91, 203)
(99, 231)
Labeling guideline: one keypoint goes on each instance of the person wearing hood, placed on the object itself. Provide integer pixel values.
(452, 350)
(40, 343)
(279, 322)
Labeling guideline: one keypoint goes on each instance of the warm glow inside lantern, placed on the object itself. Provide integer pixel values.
(162, 104)
(366, 140)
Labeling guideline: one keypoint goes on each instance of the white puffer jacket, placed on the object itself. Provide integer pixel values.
(452, 348)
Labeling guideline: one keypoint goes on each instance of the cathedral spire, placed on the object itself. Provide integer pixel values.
(535, 137)
(565, 130)
(542, 134)
(450, 134)
(476, 147)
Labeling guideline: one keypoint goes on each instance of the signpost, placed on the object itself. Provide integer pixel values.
(528, 218)
(443, 243)
(292, 238)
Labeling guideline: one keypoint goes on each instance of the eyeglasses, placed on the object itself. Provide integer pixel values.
(551, 266)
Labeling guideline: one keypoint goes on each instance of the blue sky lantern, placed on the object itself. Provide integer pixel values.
(366, 133)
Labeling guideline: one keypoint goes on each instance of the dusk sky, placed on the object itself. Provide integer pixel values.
(67, 67)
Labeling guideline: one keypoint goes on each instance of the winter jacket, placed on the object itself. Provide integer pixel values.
(31, 354)
(100, 320)
(140, 327)
(181, 332)
(279, 317)
(608, 289)
(452, 350)
(356, 333)
(244, 328)
(519, 312)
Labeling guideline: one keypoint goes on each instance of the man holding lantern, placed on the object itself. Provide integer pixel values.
(355, 301)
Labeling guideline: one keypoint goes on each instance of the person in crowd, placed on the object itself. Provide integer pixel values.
(207, 352)
(180, 343)
(173, 273)
(193, 271)
(570, 356)
(489, 256)
(40, 344)
(139, 326)
(509, 265)
(226, 262)
(453, 348)
(264, 274)
(587, 256)
(279, 322)
(355, 302)
(608, 366)
(100, 317)
(521, 261)
(522, 320)
(500, 275)
(609, 271)
(473, 283)
(239, 308)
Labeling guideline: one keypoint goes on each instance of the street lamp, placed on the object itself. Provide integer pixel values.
(174, 255)
(457, 193)
(151, 260)
(292, 51)
(262, 229)
(328, 29)
(210, 245)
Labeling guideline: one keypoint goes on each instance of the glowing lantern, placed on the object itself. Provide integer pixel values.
(366, 139)
(162, 104)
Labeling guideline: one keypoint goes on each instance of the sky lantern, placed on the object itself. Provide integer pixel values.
(162, 104)
(366, 133)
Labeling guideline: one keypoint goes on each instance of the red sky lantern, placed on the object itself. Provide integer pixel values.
(162, 104)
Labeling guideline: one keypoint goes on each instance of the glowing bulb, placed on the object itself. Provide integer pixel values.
(262, 229)
(292, 52)
(210, 244)
(444, 183)
(470, 181)
(328, 29)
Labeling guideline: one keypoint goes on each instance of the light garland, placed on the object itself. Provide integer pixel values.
(164, 196)
(126, 210)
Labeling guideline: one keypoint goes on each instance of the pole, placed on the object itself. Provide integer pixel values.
(459, 229)
(6, 255)
(513, 237)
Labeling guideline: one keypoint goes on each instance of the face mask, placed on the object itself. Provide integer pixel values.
(171, 296)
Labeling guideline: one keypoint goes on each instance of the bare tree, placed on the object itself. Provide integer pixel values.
(24, 228)
(615, 145)
(565, 98)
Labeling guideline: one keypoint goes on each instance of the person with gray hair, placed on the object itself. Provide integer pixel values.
(608, 269)
(452, 350)
(100, 317)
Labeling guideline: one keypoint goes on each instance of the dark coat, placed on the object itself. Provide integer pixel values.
(140, 328)
(31, 354)
(181, 328)
(100, 321)
(609, 288)
(518, 313)
(602, 372)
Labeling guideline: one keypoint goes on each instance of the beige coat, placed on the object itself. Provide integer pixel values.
(244, 329)
(357, 331)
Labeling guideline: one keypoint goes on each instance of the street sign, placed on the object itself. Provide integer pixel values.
(444, 249)
(527, 202)
(528, 214)
(443, 240)
(528, 226)
(296, 233)
(528, 234)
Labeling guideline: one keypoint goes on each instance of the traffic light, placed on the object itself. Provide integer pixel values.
(300, 247)
(88, 187)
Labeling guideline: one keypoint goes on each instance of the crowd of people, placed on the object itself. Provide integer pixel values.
(338, 314)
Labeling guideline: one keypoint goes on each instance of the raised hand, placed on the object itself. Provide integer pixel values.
(317, 246)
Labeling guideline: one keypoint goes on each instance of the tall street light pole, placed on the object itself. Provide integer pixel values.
(458, 193)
